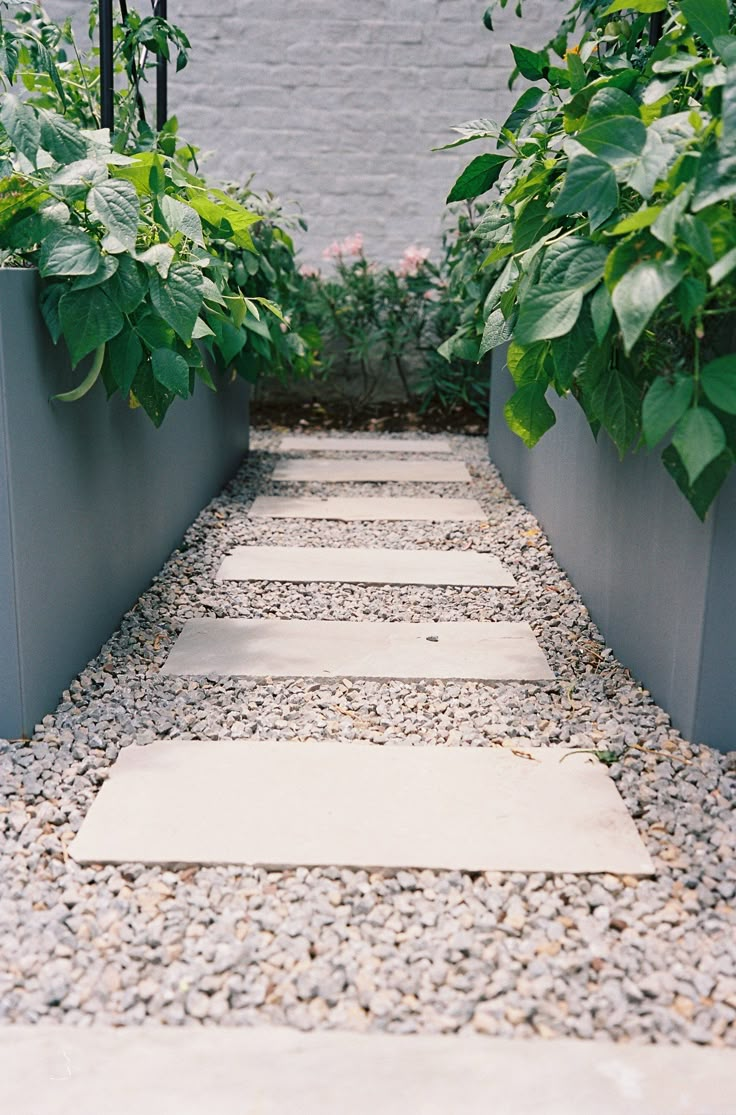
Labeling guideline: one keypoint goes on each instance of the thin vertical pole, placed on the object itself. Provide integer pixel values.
(656, 27)
(162, 107)
(107, 72)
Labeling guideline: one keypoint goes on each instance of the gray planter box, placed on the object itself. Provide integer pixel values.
(660, 584)
(93, 499)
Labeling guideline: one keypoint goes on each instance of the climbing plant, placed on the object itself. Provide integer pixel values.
(611, 237)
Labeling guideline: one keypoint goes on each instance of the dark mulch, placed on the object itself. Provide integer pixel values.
(391, 417)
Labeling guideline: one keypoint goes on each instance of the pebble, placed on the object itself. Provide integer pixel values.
(412, 951)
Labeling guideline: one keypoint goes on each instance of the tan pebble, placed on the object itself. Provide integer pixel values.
(548, 948)
(515, 1015)
(566, 922)
(685, 1007)
(484, 1022)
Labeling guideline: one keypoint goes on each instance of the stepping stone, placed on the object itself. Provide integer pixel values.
(298, 443)
(358, 509)
(301, 564)
(239, 1070)
(281, 803)
(329, 470)
(339, 648)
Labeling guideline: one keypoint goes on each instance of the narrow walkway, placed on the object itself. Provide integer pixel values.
(431, 952)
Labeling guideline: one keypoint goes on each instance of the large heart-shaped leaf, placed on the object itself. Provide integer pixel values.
(21, 124)
(179, 297)
(171, 371)
(640, 291)
(69, 251)
(115, 204)
(88, 319)
(477, 177)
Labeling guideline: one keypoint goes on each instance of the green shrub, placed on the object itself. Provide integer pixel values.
(611, 238)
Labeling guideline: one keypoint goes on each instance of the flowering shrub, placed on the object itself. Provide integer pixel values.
(380, 324)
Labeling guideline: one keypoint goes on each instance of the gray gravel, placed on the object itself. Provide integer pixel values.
(505, 954)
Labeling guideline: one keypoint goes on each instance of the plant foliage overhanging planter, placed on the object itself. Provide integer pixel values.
(660, 585)
(92, 501)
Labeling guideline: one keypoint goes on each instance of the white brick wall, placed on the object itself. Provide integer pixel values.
(337, 104)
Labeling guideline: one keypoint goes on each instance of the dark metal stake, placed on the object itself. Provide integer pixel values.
(162, 107)
(107, 72)
(656, 27)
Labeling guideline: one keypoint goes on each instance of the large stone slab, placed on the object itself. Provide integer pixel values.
(362, 566)
(292, 803)
(343, 648)
(301, 443)
(349, 470)
(356, 508)
(216, 1070)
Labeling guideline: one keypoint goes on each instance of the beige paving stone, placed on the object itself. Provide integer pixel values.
(349, 470)
(195, 1070)
(363, 566)
(331, 803)
(346, 648)
(305, 442)
(357, 508)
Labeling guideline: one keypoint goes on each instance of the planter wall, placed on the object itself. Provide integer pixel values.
(660, 584)
(93, 499)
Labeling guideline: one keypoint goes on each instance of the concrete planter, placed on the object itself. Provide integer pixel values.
(92, 501)
(660, 584)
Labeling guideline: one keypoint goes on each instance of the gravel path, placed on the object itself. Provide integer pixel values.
(505, 954)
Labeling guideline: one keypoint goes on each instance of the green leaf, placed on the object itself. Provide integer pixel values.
(701, 494)
(497, 330)
(616, 404)
(722, 267)
(107, 268)
(528, 414)
(615, 139)
(124, 354)
(171, 371)
(51, 293)
(477, 177)
(572, 264)
(640, 291)
(182, 218)
(664, 404)
(160, 256)
(128, 285)
(546, 315)
(88, 319)
(154, 331)
(22, 125)
(523, 110)
(708, 18)
(715, 179)
(228, 339)
(690, 297)
(610, 102)
(62, 138)
(645, 6)
(601, 312)
(69, 251)
(115, 204)
(529, 224)
(642, 218)
(718, 379)
(76, 178)
(532, 64)
(474, 129)
(152, 396)
(179, 297)
(699, 438)
(226, 216)
(651, 165)
(589, 186)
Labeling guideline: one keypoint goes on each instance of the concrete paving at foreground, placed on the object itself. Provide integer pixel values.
(324, 803)
(157, 1070)
(302, 564)
(354, 648)
(348, 470)
(372, 508)
(300, 442)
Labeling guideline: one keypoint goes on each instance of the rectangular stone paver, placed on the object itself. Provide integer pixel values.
(349, 470)
(310, 803)
(300, 443)
(361, 566)
(260, 1070)
(343, 648)
(372, 508)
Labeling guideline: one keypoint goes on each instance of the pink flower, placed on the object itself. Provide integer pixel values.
(308, 272)
(350, 246)
(412, 260)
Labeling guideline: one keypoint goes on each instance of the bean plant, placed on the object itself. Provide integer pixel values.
(611, 238)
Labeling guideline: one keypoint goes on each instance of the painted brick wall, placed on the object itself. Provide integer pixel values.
(337, 104)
